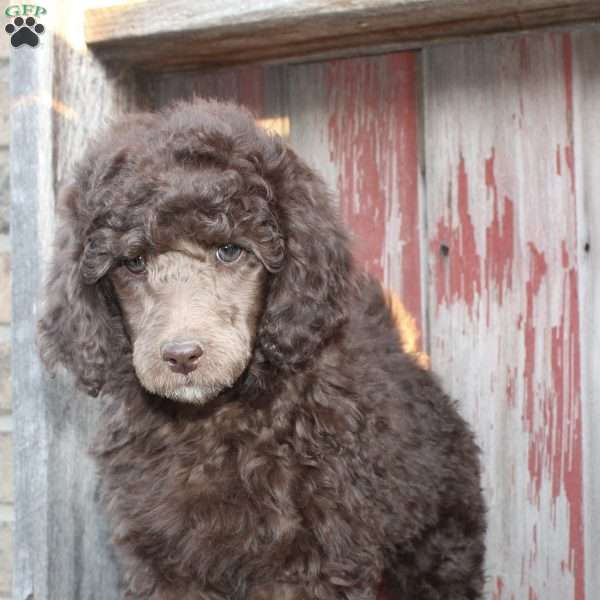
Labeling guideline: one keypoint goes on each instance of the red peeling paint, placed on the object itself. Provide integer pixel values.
(490, 176)
(564, 255)
(565, 450)
(499, 588)
(555, 444)
(511, 375)
(573, 474)
(458, 275)
(555, 451)
(405, 142)
(373, 140)
(499, 238)
(567, 49)
(567, 52)
(532, 595)
(538, 270)
(467, 280)
(566, 358)
(570, 160)
(355, 127)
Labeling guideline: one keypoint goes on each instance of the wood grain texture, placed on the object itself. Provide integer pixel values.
(60, 93)
(504, 294)
(373, 138)
(355, 121)
(586, 92)
(159, 33)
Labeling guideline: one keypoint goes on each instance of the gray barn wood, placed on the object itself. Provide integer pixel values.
(158, 33)
(60, 93)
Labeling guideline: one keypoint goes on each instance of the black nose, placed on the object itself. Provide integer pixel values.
(182, 357)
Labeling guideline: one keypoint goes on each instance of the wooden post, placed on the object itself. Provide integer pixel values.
(60, 94)
(511, 134)
(586, 91)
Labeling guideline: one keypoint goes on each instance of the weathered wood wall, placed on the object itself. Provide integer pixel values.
(467, 175)
(504, 293)
(492, 257)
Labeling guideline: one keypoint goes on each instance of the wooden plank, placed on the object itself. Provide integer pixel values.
(160, 33)
(355, 121)
(586, 91)
(504, 295)
(372, 138)
(60, 93)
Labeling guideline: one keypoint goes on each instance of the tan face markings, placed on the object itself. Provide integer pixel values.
(188, 298)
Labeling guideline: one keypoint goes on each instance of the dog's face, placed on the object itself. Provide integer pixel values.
(195, 316)
(191, 314)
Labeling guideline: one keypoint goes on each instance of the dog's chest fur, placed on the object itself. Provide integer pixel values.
(231, 495)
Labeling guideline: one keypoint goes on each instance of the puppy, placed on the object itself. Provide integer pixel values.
(263, 434)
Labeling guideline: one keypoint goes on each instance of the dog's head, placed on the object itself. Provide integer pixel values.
(191, 242)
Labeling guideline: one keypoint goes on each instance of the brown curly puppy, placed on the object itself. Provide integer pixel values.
(264, 435)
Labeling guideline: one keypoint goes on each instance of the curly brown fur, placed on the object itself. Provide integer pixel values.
(321, 457)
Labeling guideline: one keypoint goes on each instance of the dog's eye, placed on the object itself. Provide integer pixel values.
(229, 253)
(136, 265)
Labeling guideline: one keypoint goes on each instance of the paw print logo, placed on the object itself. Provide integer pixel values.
(24, 32)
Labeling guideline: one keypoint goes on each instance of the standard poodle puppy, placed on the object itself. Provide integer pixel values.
(264, 435)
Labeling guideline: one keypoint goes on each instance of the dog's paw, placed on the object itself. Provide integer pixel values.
(24, 32)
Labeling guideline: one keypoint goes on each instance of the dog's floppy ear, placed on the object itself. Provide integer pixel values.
(307, 299)
(75, 329)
